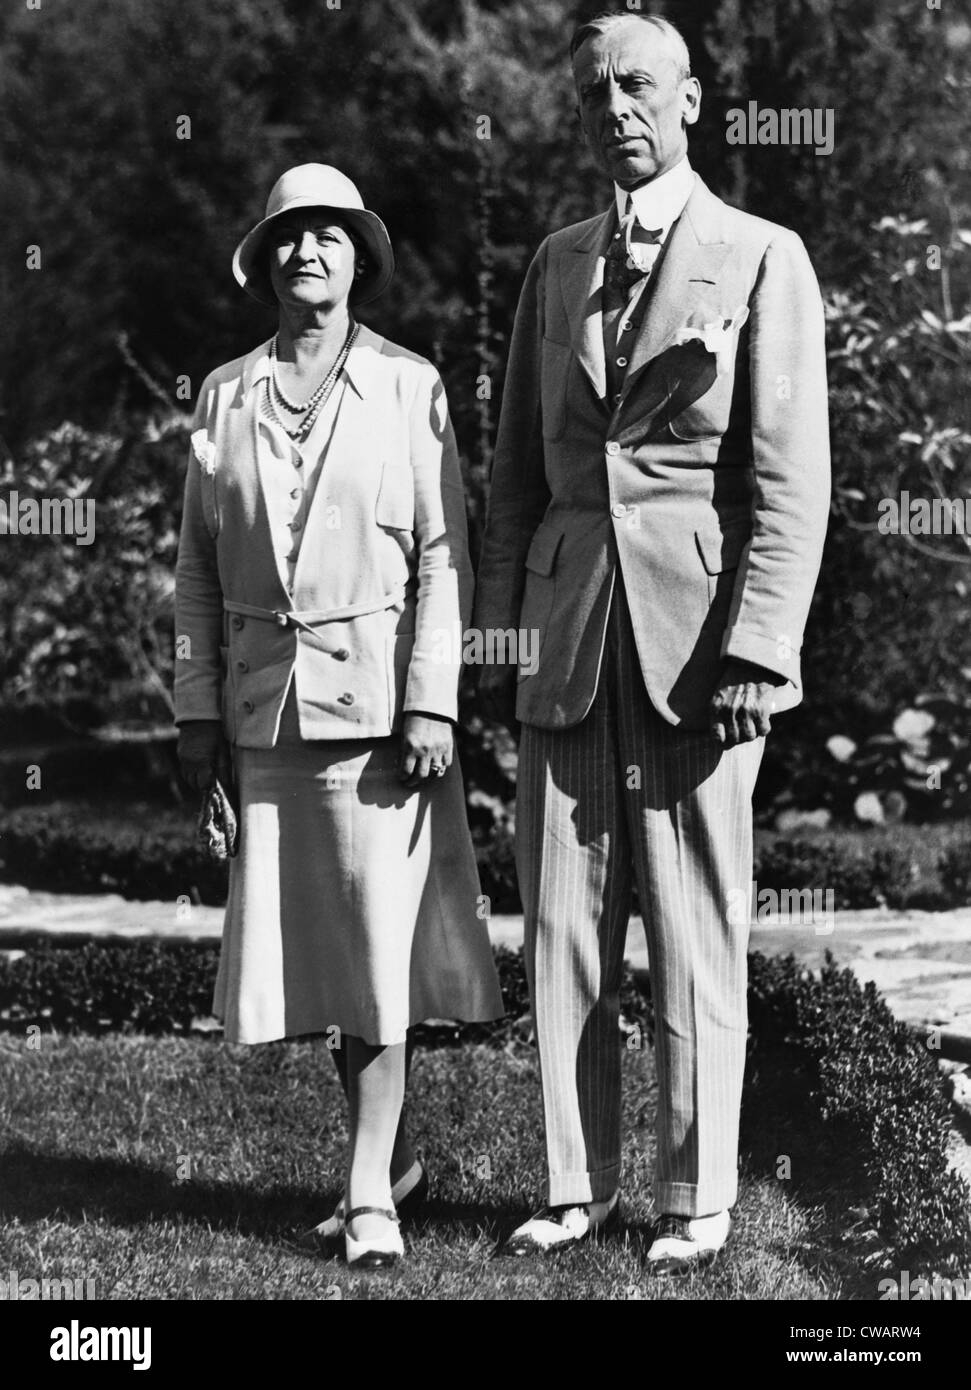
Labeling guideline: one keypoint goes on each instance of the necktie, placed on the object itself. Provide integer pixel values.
(621, 274)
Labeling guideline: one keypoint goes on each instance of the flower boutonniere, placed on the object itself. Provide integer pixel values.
(204, 450)
(716, 336)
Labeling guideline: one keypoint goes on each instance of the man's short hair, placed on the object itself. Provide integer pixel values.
(600, 23)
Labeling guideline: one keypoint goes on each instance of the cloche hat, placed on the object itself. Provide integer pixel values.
(318, 186)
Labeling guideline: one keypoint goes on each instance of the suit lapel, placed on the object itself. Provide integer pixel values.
(582, 282)
(688, 273)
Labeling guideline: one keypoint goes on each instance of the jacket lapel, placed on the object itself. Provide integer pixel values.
(688, 273)
(582, 282)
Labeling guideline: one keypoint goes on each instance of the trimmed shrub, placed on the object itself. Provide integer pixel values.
(877, 1088)
(858, 876)
(147, 987)
(156, 987)
(954, 870)
(66, 848)
(67, 852)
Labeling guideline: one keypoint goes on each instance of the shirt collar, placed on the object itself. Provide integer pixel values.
(660, 203)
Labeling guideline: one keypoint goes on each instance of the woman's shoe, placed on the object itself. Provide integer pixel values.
(408, 1193)
(377, 1252)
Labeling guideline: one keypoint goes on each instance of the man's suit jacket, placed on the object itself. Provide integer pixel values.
(387, 522)
(708, 485)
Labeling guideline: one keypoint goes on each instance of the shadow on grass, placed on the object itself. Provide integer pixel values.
(42, 1186)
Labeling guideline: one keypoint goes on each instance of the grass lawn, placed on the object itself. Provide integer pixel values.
(95, 1135)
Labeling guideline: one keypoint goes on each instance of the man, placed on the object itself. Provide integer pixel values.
(658, 509)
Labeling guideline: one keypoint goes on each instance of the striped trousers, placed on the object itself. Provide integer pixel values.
(625, 796)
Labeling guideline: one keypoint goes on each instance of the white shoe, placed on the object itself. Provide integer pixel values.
(376, 1252)
(407, 1193)
(553, 1228)
(683, 1243)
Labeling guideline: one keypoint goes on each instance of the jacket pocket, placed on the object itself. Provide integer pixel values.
(721, 551)
(395, 505)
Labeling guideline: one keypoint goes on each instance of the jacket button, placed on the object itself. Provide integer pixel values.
(341, 654)
(295, 525)
(621, 361)
(294, 493)
(613, 447)
(248, 706)
(237, 622)
(346, 699)
(242, 666)
(618, 509)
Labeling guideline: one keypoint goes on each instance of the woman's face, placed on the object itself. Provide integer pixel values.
(312, 260)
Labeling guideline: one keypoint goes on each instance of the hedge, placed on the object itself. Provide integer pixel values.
(67, 850)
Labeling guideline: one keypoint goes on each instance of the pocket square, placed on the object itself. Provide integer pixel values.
(715, 335)
(204, 450)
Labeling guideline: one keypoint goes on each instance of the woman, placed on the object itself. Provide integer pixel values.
(323, 581)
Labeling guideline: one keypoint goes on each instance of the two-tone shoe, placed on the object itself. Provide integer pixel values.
(682, 1244)
(555, 1229)
(373, 1252)
(408, 1194)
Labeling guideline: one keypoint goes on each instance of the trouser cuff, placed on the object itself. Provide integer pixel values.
(568, 1189)
(690, 1199)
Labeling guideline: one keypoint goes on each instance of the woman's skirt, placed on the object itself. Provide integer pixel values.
(354, 903)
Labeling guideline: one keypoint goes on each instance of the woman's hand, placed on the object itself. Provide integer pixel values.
(204, 754)
(426, 743)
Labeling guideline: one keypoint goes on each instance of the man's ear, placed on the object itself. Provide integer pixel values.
(690, 100)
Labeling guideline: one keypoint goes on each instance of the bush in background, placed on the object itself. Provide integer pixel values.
(876, 1087)
(67, 851)
(858, 876)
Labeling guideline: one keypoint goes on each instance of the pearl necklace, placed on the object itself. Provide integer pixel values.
(276, 401)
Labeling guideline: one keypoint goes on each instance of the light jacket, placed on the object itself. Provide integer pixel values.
(383, 582)
(706, 488)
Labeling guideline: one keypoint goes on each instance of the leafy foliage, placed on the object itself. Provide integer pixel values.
(876, 1087)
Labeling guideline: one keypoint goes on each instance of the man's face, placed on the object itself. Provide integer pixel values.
(632, 102)
(311, 259)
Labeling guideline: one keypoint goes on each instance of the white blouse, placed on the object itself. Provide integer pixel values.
(290, 473)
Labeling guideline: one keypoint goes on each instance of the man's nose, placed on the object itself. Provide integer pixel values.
(617, 106)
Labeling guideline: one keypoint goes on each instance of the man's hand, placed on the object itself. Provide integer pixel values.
(496, 693)
(743, 703)
(426, 742)
(204, 754)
